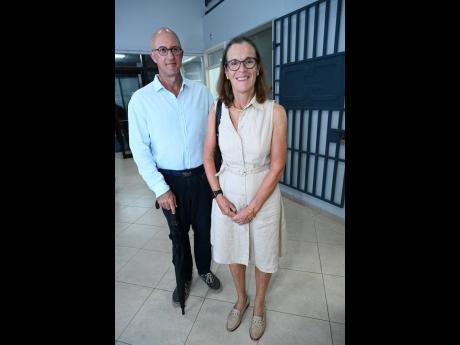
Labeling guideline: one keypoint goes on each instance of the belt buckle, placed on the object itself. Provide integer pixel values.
(187, 173)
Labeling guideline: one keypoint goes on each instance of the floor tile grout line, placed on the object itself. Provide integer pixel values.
(324, 287)
(146, 241)
(156, 250)
(128, 260)
(153, 289)
(278, 311)
(333, 228)
(290, 237)
(164, 274)
(150, 287)
(147, 207)
(119, 341)
(124, 230)
(143, 214)
(121, 232)
(137, 252)
(122, 223)
(142, 196)
(333, 275)
(149, 250)
(318, 242)
(126, 246)
(133, 197)
(219, 300)
(135, 284)
(332, 244)
(146, 225)
(338, 323)
(139, 217)
(194, 321)
(158, 226)
(297, 270)
(129, 203)
(190, 294)
(132, 318)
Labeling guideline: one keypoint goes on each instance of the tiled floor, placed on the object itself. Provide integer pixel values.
(305, 300)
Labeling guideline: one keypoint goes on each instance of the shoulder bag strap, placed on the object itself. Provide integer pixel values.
(218, 114)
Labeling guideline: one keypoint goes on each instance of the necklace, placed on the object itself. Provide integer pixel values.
(238, 108)
(241, 108)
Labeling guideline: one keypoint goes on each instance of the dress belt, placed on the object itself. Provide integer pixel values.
(243, 171)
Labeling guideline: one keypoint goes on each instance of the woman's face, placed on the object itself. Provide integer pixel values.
(243, 79)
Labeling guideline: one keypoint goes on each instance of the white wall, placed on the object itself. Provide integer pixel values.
(234, 17)
(135, 21)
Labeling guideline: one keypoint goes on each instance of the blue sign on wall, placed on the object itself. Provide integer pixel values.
(317, 83)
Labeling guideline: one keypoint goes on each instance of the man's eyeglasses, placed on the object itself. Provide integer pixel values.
(234, 64)
(164, 51)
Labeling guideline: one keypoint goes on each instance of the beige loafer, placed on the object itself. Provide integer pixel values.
(258, 325)
(235, 317)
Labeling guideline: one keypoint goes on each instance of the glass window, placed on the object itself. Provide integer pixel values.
(215, 57)
(213, 78)
(148, 62)
(118, 98)
(132, 71)
(127, 60)
(192, 68)
(150, 68)
(125, 86)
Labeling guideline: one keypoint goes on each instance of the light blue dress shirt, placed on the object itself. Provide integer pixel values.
(166, 131)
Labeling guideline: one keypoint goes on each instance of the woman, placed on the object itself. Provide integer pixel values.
(247, 212)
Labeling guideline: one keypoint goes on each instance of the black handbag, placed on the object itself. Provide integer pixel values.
(217, 153)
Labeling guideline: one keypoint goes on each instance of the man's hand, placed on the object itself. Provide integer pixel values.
(168, 201)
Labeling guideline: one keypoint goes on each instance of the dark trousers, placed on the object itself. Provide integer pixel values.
(194, 201)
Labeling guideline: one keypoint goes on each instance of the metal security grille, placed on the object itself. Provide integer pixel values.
(309, 80)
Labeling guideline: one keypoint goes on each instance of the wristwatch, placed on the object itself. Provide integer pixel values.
(217, 192)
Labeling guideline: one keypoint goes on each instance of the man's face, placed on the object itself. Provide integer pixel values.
(168, 65)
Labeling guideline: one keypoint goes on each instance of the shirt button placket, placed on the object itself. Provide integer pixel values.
(186, 159)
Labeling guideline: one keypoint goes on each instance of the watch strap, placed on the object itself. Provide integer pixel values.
(217, 192)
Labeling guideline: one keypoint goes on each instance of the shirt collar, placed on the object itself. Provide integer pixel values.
(157, 85)
(256, 104)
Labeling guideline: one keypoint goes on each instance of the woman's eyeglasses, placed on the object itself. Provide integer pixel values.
(234, 64)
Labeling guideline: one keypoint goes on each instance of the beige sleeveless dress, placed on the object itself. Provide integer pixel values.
(246, 161)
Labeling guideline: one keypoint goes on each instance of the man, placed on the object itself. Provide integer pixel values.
(167, 126)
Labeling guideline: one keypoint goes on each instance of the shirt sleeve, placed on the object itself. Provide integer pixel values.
(139, 143)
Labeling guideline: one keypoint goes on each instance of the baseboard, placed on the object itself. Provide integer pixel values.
(302, 202)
